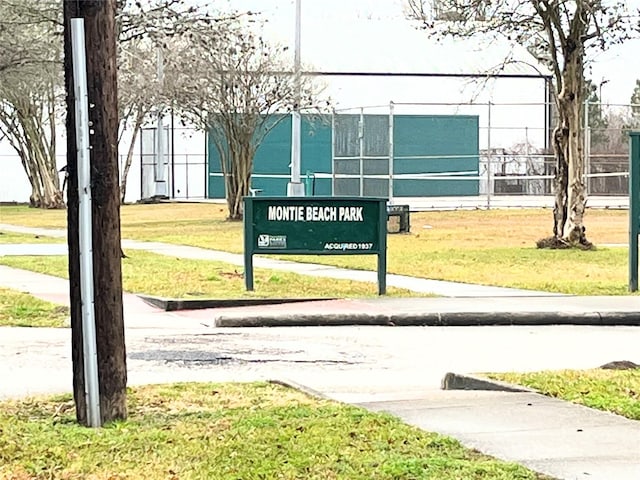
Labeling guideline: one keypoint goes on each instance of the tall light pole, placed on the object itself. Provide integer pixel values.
(159, 171)
(295, 187)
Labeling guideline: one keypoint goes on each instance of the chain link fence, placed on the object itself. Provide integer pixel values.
(515, 157)
(607, 147)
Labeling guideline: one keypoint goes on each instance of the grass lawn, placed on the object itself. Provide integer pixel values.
(22, 310)
(495, 247)
(152, 274)
(231, 431)
(616, 391)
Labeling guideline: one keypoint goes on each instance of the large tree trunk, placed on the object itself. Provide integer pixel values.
(238, 181)
(44, 181)
(568, 142)
(99, 16)
(32, 136)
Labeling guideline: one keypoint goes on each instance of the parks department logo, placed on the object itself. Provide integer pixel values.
(272, 241)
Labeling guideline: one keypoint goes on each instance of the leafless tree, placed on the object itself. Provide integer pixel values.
(31, 92)
(236, 90)
(558, 33)
(144, 29)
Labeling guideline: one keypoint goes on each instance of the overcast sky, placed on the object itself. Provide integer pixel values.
(616, 69)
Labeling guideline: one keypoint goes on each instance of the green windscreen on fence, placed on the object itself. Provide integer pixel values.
(273, 157)
(433, 155)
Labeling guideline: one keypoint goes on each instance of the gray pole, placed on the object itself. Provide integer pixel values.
(91, 379)
(160, 173)
(587, 146)
(333, 152)
(361, 148)
(295, 187)
(391, 152)
(489, 166)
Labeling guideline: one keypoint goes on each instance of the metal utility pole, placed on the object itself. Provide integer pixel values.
(295, 187)
(98, 187)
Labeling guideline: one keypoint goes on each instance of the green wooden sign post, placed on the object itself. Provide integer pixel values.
(634, 208)
(315, 226)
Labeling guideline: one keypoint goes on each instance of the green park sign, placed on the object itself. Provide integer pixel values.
(315, 226)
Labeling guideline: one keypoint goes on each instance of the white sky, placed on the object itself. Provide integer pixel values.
(617, 68)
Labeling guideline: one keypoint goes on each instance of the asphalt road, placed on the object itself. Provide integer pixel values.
(346, 363)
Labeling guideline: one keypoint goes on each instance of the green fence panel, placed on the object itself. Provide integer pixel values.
(273, 157)
(436, 144)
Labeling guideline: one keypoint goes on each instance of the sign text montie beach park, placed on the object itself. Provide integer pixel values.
(315, 226)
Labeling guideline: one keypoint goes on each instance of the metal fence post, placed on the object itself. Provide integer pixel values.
(333, 152)
(186, 170)
(587, 147)
(390, 151)
(489, 174)
(361, 148)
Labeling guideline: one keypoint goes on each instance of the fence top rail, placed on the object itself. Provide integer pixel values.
(472, 104)
(362, 107)
(388, 108)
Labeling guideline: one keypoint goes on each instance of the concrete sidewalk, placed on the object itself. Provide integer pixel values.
(550, 436)
(418, 285)
(459, 305)
(379, 368)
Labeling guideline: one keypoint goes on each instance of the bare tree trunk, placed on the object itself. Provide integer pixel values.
(239, 179)
(570, 155)
(127, 164)
(560, 139)
(99, 16)
(23, 124)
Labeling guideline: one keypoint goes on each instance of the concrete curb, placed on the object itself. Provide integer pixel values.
(456, 381)
(302, 320)
(174, 304)
(432, 319)
(302, 388)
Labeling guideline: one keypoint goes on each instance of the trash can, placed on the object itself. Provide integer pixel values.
(398, 220)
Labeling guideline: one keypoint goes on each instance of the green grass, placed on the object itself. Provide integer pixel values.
(493, 247)
(22, 310)
(11, 237)
(576, 272)
(152, 274)
(616, 391)
(231, 431)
